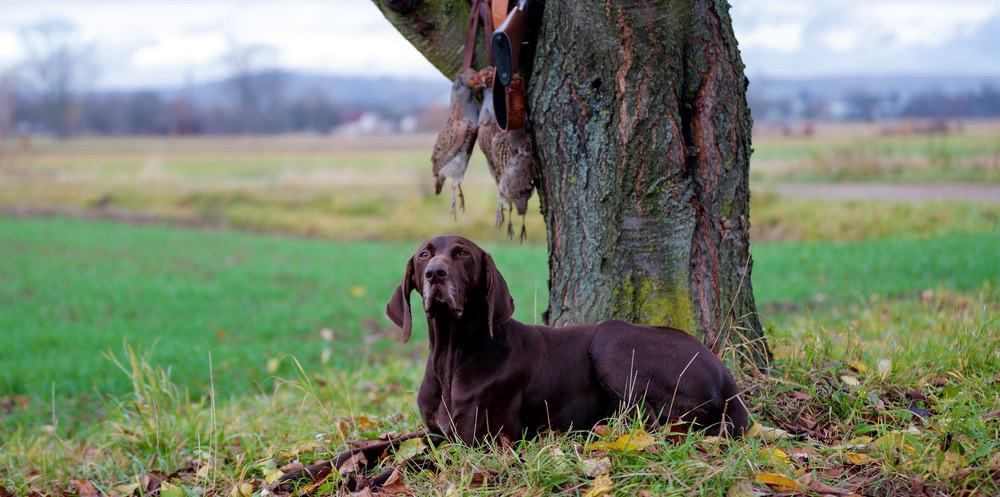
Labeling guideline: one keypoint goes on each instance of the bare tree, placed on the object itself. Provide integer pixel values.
(255, 87)
(57, 65)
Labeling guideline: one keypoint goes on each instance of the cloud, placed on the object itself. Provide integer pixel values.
(156, 42)
(780, 37)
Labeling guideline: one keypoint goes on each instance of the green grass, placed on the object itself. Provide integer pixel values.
(71, 291)
(840, 390)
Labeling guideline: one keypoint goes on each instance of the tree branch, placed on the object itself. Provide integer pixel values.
(436, 28)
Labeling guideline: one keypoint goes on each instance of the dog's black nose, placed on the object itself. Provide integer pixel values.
(436, 272)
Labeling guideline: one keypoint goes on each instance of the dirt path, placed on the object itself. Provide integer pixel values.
(989, 193)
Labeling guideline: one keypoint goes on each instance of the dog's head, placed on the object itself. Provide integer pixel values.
(454, 276)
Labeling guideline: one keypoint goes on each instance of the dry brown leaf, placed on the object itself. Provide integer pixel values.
(858, 458)
(84, 488)
(394, 485)
(801, 396)
(778, 482)
(364, 492)
(849, 380)
(813, 483)
(742, 488)
(805, 452)
(601, 486)
(594, 467)
(242, 489)
(952, 463)
(365, 423)
(353, 464)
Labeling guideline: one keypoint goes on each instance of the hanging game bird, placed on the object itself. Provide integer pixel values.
(511, 159)
(457, 138)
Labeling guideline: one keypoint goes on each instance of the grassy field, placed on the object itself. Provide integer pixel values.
(73, 291)
(846, 379)
(880, 152)
(380, 188)
(216, 359)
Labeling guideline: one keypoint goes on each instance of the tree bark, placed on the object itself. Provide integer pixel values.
(643, 134)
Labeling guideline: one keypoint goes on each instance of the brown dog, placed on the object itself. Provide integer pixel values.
(489, 375)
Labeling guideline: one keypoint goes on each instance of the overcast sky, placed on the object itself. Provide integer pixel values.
(161, 42)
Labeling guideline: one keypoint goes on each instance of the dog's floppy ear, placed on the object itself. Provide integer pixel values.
(499, 304)
(398, 308)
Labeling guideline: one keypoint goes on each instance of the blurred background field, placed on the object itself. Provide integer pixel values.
(110, 241)
(379, 187)
(221, 199)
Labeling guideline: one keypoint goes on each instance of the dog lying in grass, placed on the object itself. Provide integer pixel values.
(489, 375)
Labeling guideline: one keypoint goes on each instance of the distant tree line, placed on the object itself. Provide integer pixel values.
(868, 106)
(984, 103)
(49, 92)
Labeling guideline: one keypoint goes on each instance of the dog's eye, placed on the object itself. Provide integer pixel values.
(424, 254)
(462, 254)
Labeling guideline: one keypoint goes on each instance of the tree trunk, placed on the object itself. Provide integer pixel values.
(643, 135)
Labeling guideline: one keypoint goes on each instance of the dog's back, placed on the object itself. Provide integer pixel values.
(670, 373)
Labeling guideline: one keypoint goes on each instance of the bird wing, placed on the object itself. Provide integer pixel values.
(451, 141)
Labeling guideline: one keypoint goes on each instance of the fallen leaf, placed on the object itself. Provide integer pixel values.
(594, 467)
(766, 433)
(636, 440)
(353, 464)
(778, 482)
(122, 489)
(849, 380)
(272, 365)
(394, 485)
(241, 490)
(203, 472)
(884, 368)
(170, 490)
(410, 449)
(84, 488)
(365, 423)
(364, 492)
(776, 456)
(951, 463)
(742, 488)
(357, 291)
(479, 479)
(601, 486)
(801, 396)
(601, 430)
(803, 453)
(857, 458)
(813, 483)
(858, 366)
(272, 475)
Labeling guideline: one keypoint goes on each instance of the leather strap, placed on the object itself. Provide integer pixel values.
(479, 11)
(470, 35)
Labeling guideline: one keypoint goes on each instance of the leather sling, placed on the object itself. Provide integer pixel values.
(509, 104)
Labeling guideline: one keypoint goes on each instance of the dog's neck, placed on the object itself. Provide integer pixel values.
(467, 332)
(458, 340)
